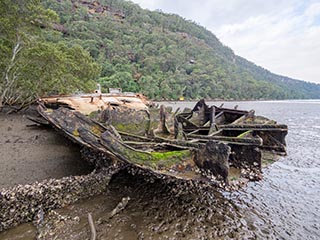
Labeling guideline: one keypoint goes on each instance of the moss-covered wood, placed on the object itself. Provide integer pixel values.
(169, 158)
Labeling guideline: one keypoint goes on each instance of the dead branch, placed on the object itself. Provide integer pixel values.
(121, 205)
(92, 227)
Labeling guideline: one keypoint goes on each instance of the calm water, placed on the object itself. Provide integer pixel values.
(286, 204)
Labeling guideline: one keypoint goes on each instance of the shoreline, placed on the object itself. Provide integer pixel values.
(222, 100)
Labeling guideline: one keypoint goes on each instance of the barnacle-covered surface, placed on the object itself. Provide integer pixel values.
(23, 203)
(158, 208)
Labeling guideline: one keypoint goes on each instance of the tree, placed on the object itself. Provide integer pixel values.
(19, 22)
(31, 65)
(161, 54)
(149, 86)
(56, 68)
(123, 80)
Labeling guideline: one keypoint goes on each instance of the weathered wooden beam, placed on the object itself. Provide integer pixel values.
(255, 126)
(245, 140)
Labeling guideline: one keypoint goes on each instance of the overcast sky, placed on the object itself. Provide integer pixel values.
(282, 36)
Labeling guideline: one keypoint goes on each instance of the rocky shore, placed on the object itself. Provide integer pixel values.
(40, 170)
(48, 184)
(23, 203)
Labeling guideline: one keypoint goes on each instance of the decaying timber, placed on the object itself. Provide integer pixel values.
(232, 125)
(200, 143)
(96, 102)
(162, 158)
(253, 139)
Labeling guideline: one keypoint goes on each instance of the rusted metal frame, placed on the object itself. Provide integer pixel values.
(185, 115)
(219, 114)
(157, 139)
(163, 122)
(134, 137)
(213, 127)
(68, 130)
(278, 149)
(155, 145)
(250, 114)
(58, 126)
(190, 144)
(279, 143)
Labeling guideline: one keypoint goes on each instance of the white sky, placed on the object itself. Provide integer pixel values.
(282, 36)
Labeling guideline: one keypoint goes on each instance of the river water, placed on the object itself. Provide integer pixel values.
(284, 205)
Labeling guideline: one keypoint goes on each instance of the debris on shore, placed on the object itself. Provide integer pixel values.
(24, 203)
(216, 146)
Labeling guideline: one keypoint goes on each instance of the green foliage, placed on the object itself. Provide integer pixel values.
(57, 69)
(161, 55)
(120, 79)
(166, 57)
(34, 60)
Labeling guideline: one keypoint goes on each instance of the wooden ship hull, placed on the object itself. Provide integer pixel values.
(160, 157)
(231, 125)
(91, 103)
(206, 143)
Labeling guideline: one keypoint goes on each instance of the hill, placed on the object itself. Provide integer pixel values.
(162, 55)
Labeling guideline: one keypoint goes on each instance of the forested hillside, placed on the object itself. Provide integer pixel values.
(32, 65)
(118, 44)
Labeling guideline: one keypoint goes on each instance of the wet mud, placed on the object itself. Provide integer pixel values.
(30, 153)
(156, 210)
(284, 205)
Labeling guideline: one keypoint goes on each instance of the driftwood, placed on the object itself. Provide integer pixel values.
(121, 205)
(92, 227)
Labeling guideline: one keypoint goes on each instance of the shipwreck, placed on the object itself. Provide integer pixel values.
(218, 145)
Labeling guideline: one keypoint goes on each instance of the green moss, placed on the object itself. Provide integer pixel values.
(156, 156)
(242, 135)
(94, 114)
(168, 159)
(130, 127)
(157, 159)
(75, 133)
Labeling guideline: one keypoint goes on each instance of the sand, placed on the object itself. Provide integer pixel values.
(33, 153)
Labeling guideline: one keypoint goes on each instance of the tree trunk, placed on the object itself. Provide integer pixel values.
(10, 76)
